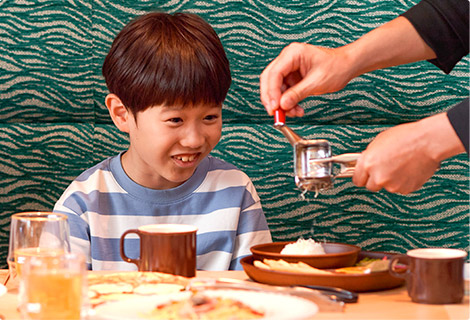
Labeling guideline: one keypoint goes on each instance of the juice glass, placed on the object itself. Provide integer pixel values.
(36, 234)
(53, 287)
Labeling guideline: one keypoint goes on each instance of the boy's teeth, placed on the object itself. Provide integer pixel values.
(186, 158)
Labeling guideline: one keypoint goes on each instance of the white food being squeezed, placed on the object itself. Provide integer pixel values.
(303, 247)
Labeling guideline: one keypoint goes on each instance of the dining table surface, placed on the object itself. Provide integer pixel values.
(387, 304)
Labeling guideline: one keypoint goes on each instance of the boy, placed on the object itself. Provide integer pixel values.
(167, 76)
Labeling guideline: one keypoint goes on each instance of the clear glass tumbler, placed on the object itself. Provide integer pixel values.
(54, 287)
(36, 234)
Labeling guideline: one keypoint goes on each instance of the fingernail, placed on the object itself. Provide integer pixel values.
(273, 104)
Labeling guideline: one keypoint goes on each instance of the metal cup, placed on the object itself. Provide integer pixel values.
(313, 161)
(309, 173)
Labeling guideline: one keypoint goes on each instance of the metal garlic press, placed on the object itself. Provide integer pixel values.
(313, 161)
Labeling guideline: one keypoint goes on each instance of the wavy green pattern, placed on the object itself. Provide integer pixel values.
(45, 61)
(54, 125)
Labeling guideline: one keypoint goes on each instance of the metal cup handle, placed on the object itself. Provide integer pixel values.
(347, 162)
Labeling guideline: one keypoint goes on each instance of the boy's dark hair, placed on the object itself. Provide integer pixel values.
(164, 59)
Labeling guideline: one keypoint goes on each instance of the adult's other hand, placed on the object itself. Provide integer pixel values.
(401, 159)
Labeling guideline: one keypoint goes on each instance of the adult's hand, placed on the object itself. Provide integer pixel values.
(299, 71)
(302, 70)
(402, 158)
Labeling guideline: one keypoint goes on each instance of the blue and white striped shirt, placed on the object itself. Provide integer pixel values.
(219, 199)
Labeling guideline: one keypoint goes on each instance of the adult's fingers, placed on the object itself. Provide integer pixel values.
(362, 177)
(272, 78)
(372, 186)
(270, 89)
(296, 93)
(360, 174)
(296, 111)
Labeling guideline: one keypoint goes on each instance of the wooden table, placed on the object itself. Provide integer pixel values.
(388, 304)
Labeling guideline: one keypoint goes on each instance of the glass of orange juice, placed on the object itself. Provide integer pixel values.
(53, 287)
(36, 234)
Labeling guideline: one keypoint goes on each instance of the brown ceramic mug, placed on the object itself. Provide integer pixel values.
(168, 248)
(433, 275)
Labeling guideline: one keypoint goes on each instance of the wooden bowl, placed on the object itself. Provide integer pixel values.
(373, 281)
(336, 255)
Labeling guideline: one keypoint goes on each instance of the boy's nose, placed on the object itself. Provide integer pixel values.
(192, 138)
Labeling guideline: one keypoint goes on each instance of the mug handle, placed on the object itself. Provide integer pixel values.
(393, 262)
(121, 245)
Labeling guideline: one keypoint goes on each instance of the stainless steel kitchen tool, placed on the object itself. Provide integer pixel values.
(313, 160)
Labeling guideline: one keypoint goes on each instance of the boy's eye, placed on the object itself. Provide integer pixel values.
(175, 120)
(211, 117)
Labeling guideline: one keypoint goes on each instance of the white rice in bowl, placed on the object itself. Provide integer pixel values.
(303, 247)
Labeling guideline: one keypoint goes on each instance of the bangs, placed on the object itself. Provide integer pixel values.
(172, 60)
(183, 76)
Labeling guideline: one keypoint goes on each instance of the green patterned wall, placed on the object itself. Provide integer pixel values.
(53, 123)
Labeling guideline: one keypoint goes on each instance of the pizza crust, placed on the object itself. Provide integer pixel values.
(103, 287)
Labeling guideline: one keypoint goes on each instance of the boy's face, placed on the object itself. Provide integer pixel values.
(168, 143)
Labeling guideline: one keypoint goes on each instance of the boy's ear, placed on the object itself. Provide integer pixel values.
(118, 112)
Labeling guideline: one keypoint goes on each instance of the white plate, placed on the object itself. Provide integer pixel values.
(275, 306)
(3, 290)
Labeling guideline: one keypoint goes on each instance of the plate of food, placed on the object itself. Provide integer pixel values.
(3, 290)
(369, 273)
(316, 254)
(209, 304)
(117, 286)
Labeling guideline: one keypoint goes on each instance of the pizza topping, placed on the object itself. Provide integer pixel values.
(366, 265)
(160, 288)
(123, 285)
(200, 306)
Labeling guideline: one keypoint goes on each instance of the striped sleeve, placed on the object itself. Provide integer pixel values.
(75, 202)
(252, 227)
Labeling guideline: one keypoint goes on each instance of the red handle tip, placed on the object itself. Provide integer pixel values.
(279, 116)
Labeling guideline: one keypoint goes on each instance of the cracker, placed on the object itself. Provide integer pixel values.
(282, 265)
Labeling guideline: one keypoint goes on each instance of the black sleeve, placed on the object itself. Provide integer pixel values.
(459, 119)
(444, 26)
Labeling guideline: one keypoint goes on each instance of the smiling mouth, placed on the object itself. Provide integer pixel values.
(186, 158)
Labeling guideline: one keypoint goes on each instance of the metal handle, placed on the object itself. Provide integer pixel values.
(347, 162)
(280, 124)
(336, 294)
